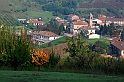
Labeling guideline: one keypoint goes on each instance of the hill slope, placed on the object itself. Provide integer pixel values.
(32, 9)
(117, 4)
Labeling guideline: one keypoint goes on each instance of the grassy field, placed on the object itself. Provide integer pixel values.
(55, 42)
(92, 41)
(62, 40)
(36, 76)
(44, 15)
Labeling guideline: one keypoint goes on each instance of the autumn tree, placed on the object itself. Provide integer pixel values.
(40, 57)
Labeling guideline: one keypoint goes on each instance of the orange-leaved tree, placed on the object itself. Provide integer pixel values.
(40, 56)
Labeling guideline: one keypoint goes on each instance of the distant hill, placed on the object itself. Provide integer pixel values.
(116, 4)
(23, 9)
(11, 5)
(111, 7)
(33, 9)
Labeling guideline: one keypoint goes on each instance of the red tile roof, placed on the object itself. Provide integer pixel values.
(46, 33)
(110, 19)
(87, 28)
(80, 23)
(39, 22)
(71, 15)
(119, 45)
(115, 40)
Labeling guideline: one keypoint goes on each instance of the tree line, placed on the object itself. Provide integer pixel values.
(81, 57)
(17, 51)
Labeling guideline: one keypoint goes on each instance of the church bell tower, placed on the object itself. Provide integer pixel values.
(91, 21)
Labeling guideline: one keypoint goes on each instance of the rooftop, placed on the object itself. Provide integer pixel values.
(46, 33)
(119, 45)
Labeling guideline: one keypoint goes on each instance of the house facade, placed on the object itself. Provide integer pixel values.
(44, 36)
(75, 26)
(109, 20)
(60, 21)
(72, 17)
(84, 25)
(92, 36)
(35, 22)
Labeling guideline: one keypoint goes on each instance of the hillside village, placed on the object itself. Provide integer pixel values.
(67, 36)
(77, 25)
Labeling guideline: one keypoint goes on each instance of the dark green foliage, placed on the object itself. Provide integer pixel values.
(109, 30)
(53, 61)
(122, 34)
(56, 8)
(52, 27)
(69, 4)
(14, 49)
(100, 47)
(79, 52)
(82, 58)
(41, 1)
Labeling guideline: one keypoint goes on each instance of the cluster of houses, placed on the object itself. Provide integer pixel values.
(34, 22)
(77, 26)
(90, 25)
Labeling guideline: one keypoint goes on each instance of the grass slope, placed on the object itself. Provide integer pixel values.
(16, 9)
(54, 42)
(36, 76)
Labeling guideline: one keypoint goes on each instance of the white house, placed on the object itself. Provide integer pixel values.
(44, 36)
(72, 17)
(91, 36)
(108, 20)
(90, 30)
(35, 22)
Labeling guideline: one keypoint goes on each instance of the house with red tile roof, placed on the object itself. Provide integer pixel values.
(75, 26)
(44, 36)
(79, 25)
(115, 40)
(91, 32)
(117, 47)
(35, 22)
(60, 21)
(72, 17)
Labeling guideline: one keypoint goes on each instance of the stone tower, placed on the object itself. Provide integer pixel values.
(91, 20)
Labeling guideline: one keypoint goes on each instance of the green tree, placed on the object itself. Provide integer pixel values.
(100, 47)
(110, 30)
(122, 34)
(80, 52)
(15, 49)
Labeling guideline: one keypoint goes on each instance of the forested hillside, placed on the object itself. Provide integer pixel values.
(38, 8)
(84, 7)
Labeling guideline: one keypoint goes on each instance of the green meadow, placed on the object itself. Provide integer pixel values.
(46, 16)
(38, 76)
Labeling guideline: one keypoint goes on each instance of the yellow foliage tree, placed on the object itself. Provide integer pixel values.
(40, 56)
